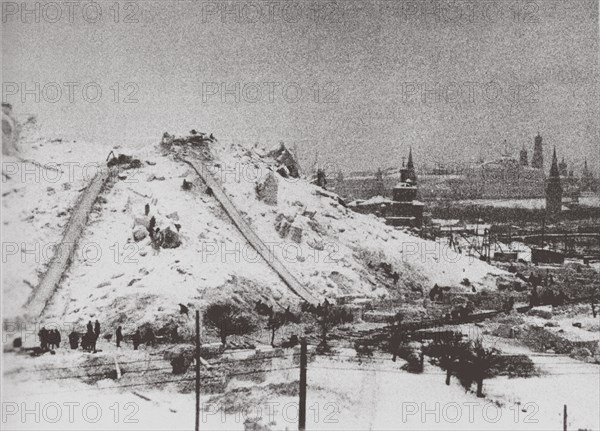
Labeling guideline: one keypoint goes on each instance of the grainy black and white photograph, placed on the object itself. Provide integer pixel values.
(277, 215)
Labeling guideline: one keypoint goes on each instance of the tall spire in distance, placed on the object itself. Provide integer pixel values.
(553, 188)
(554, 172)
(410, 167)
(410, 164)
(537, 160)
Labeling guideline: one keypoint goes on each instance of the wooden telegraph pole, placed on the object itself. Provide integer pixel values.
(565, 418)
(302, 405)
(197, 370)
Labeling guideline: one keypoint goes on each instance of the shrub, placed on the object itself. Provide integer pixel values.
(228, 319)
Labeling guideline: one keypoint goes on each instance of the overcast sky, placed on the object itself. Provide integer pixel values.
(374, 77)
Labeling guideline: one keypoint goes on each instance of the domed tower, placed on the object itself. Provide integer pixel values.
(587, 178)
(563, 168)
(537, 161)
(554, 188)
(406, 189)
(523, 157)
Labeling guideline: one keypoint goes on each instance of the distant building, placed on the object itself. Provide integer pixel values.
(406, 210)
(586, 171)
(496, 179)
(563, 168)
(506, 177)
(403, 209)
(588, 182)
(379, 185)
(554, 189)
(523, 157)
(537, 161)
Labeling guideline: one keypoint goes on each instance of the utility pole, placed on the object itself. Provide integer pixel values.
(565, 418)
(302, 405)
(197, 370)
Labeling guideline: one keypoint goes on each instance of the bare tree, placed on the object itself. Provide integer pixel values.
(276, 321)
(448, 350)
(328, 316)
(228, 319)
(477, 364)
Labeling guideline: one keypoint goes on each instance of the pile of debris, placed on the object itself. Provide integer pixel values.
(285, 225)
(146, 227)
(267, 189)
(195, 138)
(287, 164)
(124, 161)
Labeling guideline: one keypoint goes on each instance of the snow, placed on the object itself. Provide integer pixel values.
(343, 393)
(118, 280)
(375, 200)
(37, 200)
(564, 381)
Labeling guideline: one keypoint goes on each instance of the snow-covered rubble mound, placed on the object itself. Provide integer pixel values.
(40, 186)
(122, 275)
(332, 249)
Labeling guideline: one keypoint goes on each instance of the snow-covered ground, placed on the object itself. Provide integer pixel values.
(349, 238)
(343, 393)
(41, 187)
(330, 249)
(120, 281)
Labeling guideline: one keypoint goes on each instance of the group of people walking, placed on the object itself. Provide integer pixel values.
(50, 339)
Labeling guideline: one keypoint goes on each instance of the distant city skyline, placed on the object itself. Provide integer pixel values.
(426, 164)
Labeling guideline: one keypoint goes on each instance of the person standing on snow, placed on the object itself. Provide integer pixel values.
(119, 336)
(43, 334)
(97, 329)
(137, 339)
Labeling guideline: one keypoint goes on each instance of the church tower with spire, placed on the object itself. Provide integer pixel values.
(537, 160)
(410, 173)
(405, 209)
(554, 188)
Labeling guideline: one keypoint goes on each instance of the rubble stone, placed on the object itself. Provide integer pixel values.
(266, 191)
(580, 352)
(140, 232)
